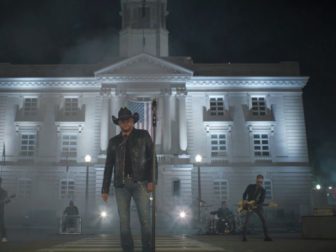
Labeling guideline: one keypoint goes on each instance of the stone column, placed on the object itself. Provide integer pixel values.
(166, 124)
(104, 124)
(183, 141)
(116, 103)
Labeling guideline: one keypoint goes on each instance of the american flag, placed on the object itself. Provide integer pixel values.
(144, 109)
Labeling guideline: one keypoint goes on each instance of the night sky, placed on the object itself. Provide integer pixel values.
(86, 31)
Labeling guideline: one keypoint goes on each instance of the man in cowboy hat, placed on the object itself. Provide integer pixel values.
(130, 157)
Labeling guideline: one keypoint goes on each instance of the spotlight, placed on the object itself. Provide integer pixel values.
(318, 187)
(150, 198)
(103, 214)
(182, 214)
(330, 187)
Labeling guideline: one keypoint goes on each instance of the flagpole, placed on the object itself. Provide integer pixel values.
(154, 105)
(143, 25)
(67, 174)
(3, 158)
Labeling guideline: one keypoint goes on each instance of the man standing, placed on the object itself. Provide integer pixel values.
(130, 157)
(257, 193)
(3, 201)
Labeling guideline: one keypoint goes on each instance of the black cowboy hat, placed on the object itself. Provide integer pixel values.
(124, 114)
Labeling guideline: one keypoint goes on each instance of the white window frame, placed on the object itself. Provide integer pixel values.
(220, 196)
(24, 188)
(67, 189)
(258, 109)
(218, 127)
(71, 108)
(27, 128)
(216, 105)
(68, 128)
(63, 155)
(28, 109)
(223, 153)
(24, 153)
(260, 128)
(261, 138)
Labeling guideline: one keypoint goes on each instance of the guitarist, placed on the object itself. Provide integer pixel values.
(257, 193)
(3, 201)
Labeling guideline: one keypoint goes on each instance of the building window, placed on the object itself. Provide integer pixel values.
(217, 106)
(67, 189)
(258, 106)
(69, 147)
(176, 187)
(71, 106)
(30, 106)
(261, 145)
(221, 190)
(28, 145)
(24, 189)
(218, 145)
(268, 188)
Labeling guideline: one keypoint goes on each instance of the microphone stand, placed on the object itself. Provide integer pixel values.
(154, 111)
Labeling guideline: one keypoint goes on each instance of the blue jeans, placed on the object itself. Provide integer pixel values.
(138, 191)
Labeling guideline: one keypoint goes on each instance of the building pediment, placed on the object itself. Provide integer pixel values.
(143, 66)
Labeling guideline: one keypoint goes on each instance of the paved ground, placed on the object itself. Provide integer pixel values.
(46, 241)
(108, 243)
(280, 243)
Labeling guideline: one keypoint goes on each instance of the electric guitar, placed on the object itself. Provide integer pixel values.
(251, 205)
(7, 199)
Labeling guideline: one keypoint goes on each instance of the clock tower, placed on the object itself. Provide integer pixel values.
(143, 28)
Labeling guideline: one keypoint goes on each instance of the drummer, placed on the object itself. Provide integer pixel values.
(225, 213)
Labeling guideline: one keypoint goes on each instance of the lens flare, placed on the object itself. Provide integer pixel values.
(182, 214)
(103, 214)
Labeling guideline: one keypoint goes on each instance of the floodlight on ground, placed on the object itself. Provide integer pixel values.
(103, 214)
(182, 214)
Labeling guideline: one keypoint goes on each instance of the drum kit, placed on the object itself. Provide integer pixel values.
(220, 226)
(232, 223)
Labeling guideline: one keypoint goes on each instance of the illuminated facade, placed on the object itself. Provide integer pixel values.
(244, 119)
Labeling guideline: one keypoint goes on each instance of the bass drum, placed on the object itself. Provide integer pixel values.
(212, 225)
(224, 226)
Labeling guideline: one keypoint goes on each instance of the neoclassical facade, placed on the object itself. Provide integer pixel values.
(244, 119)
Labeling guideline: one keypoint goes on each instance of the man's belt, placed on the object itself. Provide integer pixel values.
(130, 177)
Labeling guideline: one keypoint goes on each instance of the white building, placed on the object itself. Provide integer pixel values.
(244, 119)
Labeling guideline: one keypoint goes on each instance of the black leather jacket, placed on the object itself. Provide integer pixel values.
(142, 153)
